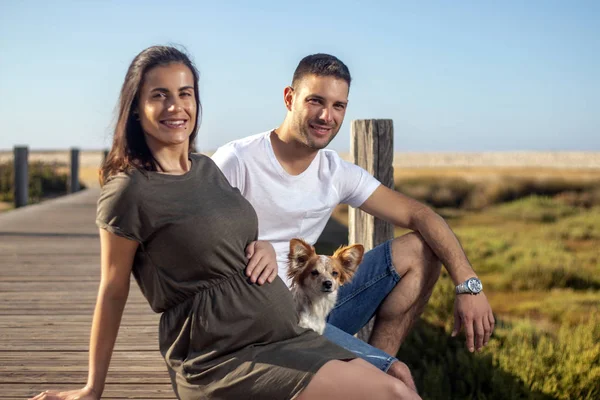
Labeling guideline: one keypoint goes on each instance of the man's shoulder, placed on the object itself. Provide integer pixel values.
(244, 145)
(331, 156)
(332, 160)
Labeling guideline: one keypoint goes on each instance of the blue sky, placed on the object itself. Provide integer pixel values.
(453, 75)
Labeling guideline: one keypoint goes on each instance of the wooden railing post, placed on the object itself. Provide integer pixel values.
(74, 177)
(21, 171)
(372, 148)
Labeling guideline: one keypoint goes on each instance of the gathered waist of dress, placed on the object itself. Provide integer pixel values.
(204, 286)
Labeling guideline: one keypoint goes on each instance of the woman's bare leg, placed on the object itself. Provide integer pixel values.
(401, 372)
(339, 380)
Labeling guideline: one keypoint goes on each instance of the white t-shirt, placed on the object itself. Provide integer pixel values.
(291, 206)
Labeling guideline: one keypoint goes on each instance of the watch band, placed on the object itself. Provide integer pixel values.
(462, 288)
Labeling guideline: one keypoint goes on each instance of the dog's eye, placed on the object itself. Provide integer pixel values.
(301, 260)
(335, 273)
(314, 272)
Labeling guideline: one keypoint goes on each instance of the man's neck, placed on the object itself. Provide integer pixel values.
(295, 157)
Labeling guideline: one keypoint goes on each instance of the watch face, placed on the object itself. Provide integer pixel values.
(474, 285)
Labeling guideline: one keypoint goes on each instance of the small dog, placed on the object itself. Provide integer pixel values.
(315, 280)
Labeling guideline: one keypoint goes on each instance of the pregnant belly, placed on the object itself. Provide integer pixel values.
(229, 317)
(247, 312)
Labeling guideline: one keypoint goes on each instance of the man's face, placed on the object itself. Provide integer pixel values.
(317, 107)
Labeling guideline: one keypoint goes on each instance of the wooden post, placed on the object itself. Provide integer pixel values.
(21, 171)
(74, 177)
(104, 155)
(372, 148)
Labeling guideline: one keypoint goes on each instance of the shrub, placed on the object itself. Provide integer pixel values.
(566, 366)
(535, 208)
(585, 199)
(436, 192)
(520, 361)
(585, 226)
(461, 193)
(44, 181)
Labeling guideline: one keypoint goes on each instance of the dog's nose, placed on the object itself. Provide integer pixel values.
(327, 284)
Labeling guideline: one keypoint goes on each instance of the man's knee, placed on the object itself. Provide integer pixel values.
(411, 252)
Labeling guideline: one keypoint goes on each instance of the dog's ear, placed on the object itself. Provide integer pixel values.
(300, 253)
(350, 257)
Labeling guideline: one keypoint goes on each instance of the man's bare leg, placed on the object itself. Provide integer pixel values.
(419, 269)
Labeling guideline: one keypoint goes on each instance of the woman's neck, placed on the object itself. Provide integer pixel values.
(172, 160)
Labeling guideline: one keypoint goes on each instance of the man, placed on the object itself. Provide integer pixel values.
(294, 184)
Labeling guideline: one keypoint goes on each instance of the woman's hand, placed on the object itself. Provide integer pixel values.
(262, 263)
(86, 393)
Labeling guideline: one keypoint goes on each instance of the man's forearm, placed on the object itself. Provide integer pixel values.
(444, 243)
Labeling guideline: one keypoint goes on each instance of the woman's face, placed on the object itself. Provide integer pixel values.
(167, 105)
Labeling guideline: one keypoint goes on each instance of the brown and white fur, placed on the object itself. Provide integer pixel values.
(315, 280)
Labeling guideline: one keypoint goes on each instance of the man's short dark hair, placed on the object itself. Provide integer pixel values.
(321, 65)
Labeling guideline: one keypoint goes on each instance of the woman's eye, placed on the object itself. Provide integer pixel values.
(158, 95)
(314, 272)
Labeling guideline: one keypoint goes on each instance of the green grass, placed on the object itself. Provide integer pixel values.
(535, 245)
(554, 248)
(535, 208)
(538, 258)
(521, 361)
(584, 226)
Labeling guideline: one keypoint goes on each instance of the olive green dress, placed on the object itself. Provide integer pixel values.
(222, 337)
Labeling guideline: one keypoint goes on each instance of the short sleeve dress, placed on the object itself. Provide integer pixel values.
(222, 337)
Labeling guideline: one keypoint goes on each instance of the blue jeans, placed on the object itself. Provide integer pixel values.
(358, 302)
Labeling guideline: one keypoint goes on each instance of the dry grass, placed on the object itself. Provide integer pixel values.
(478, 174)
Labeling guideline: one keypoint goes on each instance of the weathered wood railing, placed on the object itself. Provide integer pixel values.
(371, 147)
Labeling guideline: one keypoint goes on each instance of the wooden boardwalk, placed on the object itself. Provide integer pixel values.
(49, 275)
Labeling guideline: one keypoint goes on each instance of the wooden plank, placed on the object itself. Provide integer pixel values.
(82, 345)
(49, 276)
(120, 391)
(52, 375)
(36, 358)
(43, 321)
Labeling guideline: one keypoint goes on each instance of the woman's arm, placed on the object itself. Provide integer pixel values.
(117, 255)
(116, 261)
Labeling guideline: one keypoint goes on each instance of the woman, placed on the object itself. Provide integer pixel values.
(171, 218)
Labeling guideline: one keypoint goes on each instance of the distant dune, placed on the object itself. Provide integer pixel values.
(499, 159)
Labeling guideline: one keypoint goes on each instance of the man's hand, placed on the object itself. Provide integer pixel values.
(474, 314)
(262, 263)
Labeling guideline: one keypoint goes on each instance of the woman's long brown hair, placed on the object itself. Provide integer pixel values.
(129, 149)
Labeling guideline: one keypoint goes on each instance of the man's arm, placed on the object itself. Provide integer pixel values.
(472, 312)
(405, 212)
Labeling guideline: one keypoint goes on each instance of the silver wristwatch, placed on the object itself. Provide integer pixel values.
(471, 285)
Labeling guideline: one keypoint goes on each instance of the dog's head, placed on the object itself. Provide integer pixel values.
(318, 273)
